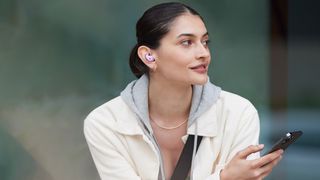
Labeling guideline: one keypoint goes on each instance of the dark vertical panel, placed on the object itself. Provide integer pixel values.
(278, 54)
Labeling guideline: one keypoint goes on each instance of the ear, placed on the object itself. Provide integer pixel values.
(144, 51)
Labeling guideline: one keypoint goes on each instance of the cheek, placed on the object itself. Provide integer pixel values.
(175, 60)
(176, 55)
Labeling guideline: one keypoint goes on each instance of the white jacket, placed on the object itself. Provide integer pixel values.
(121, 149)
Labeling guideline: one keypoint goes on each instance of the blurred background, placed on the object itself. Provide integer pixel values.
(59, 59)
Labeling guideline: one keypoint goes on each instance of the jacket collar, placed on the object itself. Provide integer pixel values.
(128, 122)
(206, 124)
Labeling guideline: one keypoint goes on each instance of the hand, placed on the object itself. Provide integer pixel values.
(241, 169)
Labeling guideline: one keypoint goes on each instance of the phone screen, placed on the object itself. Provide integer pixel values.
(285, 141)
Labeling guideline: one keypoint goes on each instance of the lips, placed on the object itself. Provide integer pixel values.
(201, 68)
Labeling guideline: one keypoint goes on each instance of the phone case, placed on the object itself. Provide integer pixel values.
(285, 141)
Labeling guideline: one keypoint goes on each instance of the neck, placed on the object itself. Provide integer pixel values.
(169, 100)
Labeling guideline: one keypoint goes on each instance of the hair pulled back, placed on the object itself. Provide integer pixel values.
(152, 27)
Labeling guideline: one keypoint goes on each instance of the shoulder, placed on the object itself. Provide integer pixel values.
(234, 102)
(106, 115)
(106, 109)
(235, 112)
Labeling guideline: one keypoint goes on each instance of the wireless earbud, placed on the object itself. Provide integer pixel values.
(149, 57)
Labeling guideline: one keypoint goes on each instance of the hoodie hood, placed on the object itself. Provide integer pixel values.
(135, 95)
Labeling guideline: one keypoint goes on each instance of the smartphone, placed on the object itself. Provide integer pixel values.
(285, 141)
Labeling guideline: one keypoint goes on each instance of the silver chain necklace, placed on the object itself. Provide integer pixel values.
(169, 128)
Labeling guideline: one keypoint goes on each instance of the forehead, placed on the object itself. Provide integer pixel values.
(187, 24)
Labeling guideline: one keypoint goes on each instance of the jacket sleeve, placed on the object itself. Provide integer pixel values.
(245, 133)
(105, 147)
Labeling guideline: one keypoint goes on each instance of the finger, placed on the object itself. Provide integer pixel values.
(270, 165)
(249, 150)
(267, 169)
(267, 158)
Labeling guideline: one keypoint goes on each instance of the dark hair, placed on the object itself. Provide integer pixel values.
(152, 27)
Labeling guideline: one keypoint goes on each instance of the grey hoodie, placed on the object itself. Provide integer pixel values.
(135, 95)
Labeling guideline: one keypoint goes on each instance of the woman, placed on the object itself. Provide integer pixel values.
(141, 133)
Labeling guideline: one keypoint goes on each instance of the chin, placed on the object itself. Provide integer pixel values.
(200, 81)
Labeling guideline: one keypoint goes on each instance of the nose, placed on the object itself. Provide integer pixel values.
(202, 52)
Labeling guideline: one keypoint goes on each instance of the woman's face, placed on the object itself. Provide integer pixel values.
(183, 55)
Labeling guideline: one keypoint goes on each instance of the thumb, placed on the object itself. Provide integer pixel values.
(249, 150)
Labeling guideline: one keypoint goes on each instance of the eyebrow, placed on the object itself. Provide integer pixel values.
(191, 35)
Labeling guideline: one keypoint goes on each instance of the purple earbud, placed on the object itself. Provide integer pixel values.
(149, 57)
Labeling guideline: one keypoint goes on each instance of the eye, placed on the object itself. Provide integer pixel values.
(206, 42)
(186, 42)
